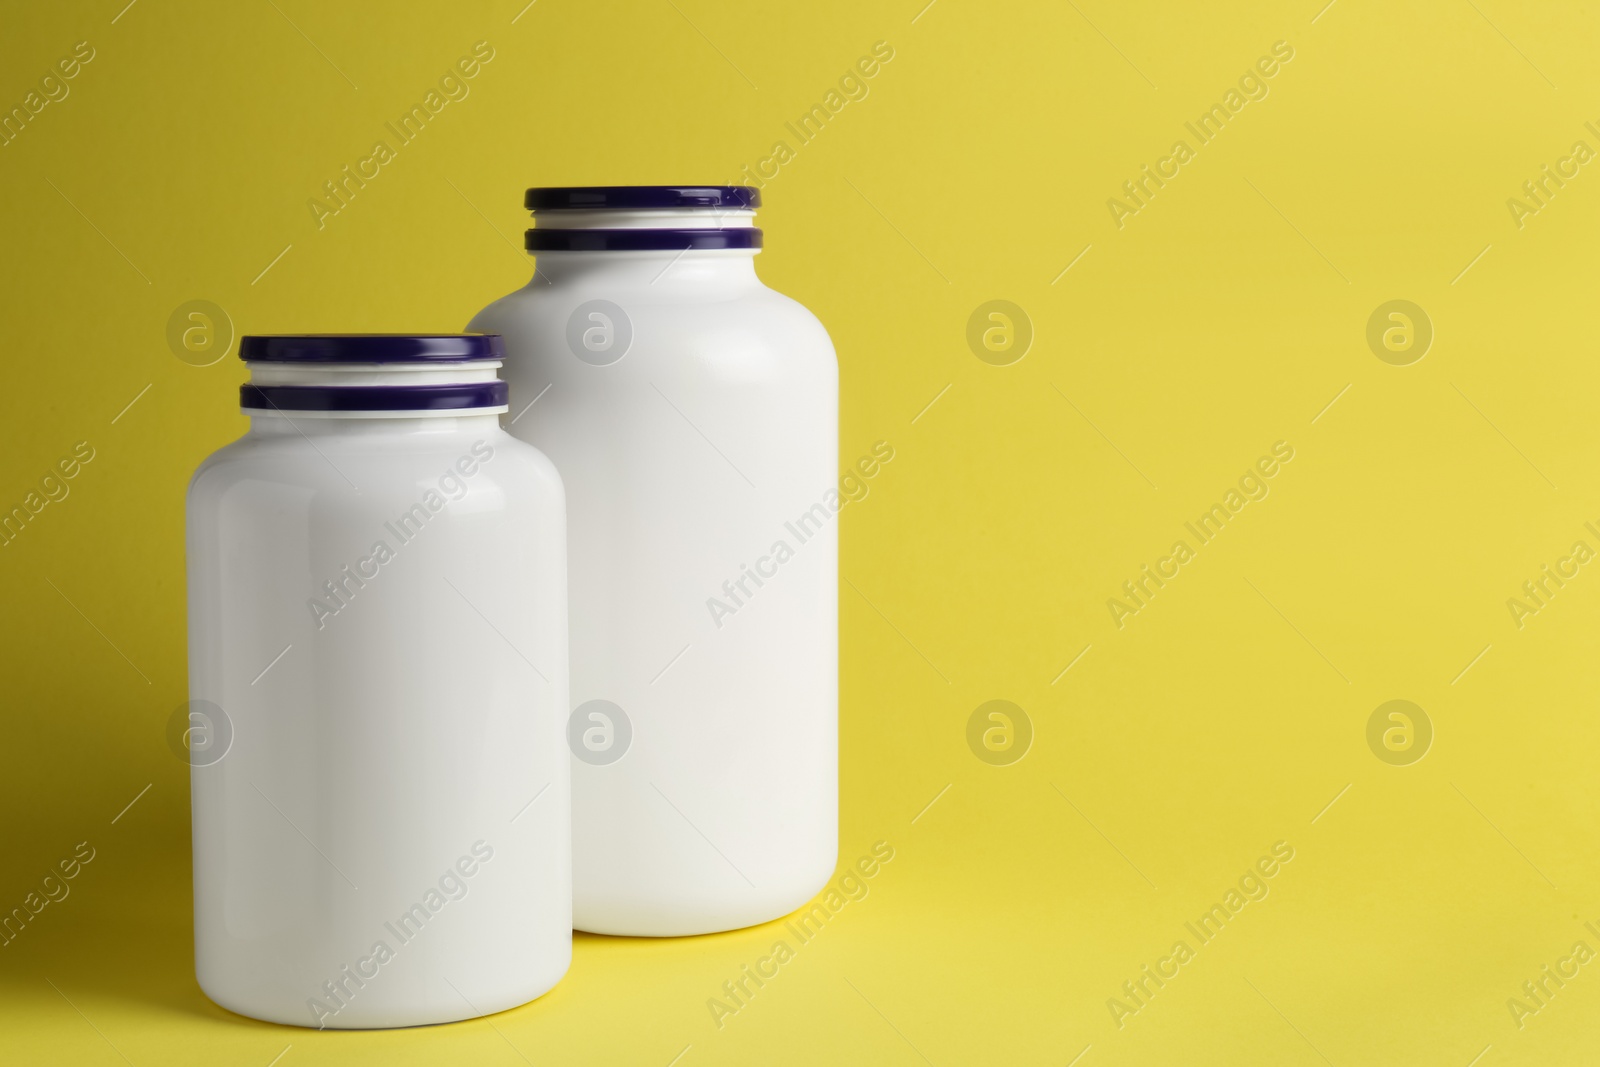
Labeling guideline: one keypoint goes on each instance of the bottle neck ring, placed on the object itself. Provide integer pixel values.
(643, 219)
(374, 390)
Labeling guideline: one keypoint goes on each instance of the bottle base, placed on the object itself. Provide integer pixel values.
(451, 1007)
(653, 916)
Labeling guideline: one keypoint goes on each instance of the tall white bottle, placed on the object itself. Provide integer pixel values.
(693, 415)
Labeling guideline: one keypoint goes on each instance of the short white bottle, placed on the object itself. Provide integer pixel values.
(378, 681)
(693, 413)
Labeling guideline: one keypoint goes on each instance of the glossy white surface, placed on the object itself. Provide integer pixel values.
(387, 749)
(687, 460)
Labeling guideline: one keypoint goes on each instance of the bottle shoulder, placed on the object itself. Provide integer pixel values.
(373, 466)
(751, 314)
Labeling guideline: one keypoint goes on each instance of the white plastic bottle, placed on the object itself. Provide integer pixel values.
(377, 664)
(693, 413)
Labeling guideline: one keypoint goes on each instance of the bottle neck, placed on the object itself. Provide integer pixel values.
(659, 269)
(675, 266)
(297, 424)
(300, 393)
(665, 218)
(371, 374)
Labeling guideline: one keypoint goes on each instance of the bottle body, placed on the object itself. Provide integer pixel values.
(702, 465)
(377, 623)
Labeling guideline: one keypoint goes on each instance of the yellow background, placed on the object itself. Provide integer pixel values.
(1223, 317)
